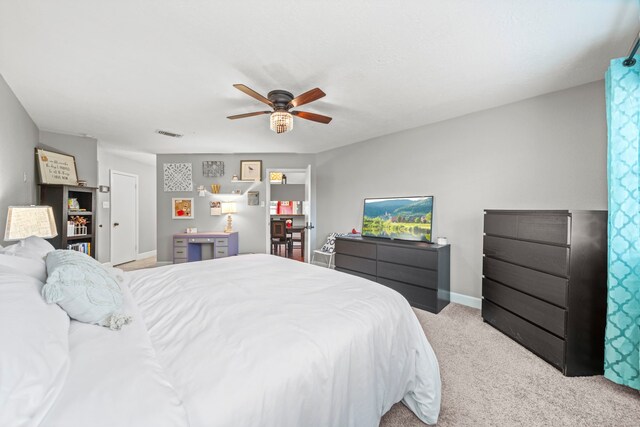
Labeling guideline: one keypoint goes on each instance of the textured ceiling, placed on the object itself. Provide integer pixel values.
(119, 70)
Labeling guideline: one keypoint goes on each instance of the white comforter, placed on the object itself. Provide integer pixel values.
(259, 340)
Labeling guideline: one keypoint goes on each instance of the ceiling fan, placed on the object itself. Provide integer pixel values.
(282, 101)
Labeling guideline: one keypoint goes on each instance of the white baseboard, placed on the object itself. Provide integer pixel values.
(161, 263)
(107, 264)
(466, 300)
(144, 255)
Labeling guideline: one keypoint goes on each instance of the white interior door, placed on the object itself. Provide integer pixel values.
(124, 217)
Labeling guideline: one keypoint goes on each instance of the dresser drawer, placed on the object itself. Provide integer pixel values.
(180, 252)
(547, 258)
(180, 242)
(545, 286)
(541, 342)
(412, 275)
(540, 313)
(353, 263)
(408, 256)
(359, 248)
(221, 242)
(357, 273)
(220, 252)
(549, 228)
(417, 296)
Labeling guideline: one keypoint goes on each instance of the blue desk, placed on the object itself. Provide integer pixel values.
(189, 247)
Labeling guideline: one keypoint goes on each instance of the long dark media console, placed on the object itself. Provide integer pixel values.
(417, 270)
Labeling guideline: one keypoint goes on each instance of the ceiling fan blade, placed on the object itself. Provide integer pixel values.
(252, 93)
(312, 116)
(242, 116)
(306, 98)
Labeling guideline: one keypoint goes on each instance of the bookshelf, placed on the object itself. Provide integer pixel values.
(57, 196)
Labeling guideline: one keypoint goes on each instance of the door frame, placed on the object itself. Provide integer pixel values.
(308, 241)
(137, 222)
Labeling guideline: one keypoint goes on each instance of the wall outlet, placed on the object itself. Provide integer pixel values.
(106, 205)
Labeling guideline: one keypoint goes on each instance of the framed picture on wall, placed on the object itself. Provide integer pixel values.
(250, 170)
(56, 168)
(182, 208)
(253, 198)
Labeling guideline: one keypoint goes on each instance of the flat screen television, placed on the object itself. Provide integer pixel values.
(402, 218)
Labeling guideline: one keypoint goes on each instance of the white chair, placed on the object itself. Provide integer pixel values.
(328, 250)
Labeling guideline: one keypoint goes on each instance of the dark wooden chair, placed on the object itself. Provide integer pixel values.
(279, 237)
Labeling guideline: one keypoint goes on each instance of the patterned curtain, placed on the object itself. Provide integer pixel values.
(622, 338)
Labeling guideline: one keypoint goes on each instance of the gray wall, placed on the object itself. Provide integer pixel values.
(85, 151)
(547, 152)
(250, 221)
(18, 138)
(146, 201)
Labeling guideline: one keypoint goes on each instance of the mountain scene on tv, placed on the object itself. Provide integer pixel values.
(405, 218)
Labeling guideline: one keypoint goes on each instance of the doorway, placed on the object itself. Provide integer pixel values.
(288, 198)
(124, 217)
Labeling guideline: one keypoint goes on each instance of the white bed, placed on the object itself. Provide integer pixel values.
(252, 340)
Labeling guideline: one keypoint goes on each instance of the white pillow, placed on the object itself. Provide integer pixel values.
(35, 268)
(34, 350)
(31, 247)
(84, 289)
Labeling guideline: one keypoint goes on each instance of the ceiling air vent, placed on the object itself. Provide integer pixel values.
(171, 134)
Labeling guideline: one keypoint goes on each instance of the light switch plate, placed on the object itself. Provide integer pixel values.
(106, 205)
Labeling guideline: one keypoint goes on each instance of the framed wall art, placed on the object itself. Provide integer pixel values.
(178, 177)
(253, 198)
(250, 170)
(182, 208)
(212, 169)
(56, 168)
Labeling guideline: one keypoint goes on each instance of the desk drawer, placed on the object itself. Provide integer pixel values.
(220, 252)
(541, 342)
(360, 249)
(180, 252)
(201, 240)
(408, 256)
(538, 312)
(180, 242)
(545, 286)
(221, 241)
(354, 263)
(412, 275)
(547, 258)
(550, 228)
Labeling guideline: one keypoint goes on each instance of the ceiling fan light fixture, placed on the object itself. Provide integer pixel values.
(281, 121)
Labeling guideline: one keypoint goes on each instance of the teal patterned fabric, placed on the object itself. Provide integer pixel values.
(622, 338)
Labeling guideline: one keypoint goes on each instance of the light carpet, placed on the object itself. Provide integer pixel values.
(490, 380)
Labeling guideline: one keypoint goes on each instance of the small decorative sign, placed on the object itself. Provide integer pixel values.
(56, 168)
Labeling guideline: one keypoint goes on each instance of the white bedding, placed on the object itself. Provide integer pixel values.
(258, 340)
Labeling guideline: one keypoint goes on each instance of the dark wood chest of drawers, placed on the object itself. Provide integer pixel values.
(544, 284)
(419, 271)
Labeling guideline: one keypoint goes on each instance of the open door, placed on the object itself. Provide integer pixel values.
(296, 190)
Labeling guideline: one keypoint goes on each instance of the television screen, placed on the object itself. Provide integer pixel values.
(404, 218)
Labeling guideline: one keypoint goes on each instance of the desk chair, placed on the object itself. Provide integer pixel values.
(278, 237)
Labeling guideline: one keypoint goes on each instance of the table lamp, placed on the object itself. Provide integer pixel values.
(26, 221)
(228, 208)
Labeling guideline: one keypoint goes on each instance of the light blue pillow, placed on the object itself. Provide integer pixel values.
(84, 289)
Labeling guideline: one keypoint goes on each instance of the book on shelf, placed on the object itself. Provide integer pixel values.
(84, 247)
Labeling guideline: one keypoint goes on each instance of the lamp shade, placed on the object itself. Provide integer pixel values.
(26, 221)
(228, 207)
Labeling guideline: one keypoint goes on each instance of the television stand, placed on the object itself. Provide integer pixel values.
(417, 270)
